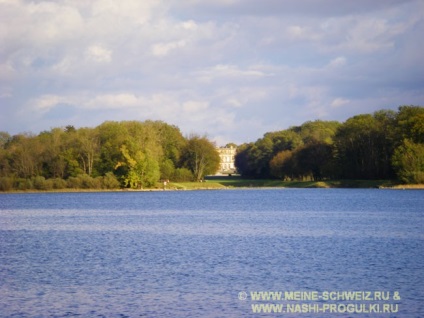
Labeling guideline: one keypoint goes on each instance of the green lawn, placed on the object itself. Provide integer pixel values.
(238, 182)
(195, 185)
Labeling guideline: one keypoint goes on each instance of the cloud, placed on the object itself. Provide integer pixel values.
(46, 102)
(323, 8)
(99, 54)
(230, 71)
(112, 101)
(339, 102)
(337, 62)
(195, 106)
(234, 69)
(162, 49)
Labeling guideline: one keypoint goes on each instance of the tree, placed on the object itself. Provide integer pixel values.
(364, 146)
(357, 147)
(318, 131)
(167, 169)
(281, 165)
(25, 155)
(230, 144)
(408, 160)
(262, 152)
(143, 170)
(410, 123)
(5, 169)
(170, 139)
(314, 160)
(54, 164)
(4, 139)
(112, 135)
(89, 146)
(285, 140)
(253, 160)
(243, 160)
(200, 156)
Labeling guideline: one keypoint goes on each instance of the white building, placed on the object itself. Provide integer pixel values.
(227, 156)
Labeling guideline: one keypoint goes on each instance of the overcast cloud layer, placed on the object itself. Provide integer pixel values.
(233, 69)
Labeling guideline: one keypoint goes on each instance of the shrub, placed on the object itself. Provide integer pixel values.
(109, 181)
(74, 183)
(183, 175)
(23, 184)
(6, 184)
(40, 183)
(59, 183)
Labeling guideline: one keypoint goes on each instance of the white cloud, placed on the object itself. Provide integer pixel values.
(113, 101)
(209, 66)
(231, 71)
(44, 103)
(295, 31)
(195, 106)
(361, 34)
(162, 49)
(339, 102)
(64, 66)
(189, 25)
(99, 54)
(338, 61)
(302, 33)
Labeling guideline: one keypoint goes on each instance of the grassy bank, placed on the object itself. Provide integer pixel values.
(234, 182)
(238, 182)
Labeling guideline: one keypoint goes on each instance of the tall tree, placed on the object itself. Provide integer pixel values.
(281, 165)
(25, 154)
(243, 160)
(410, 123)
(408, 161)
(314, 160)
(201, 157)
(89, 146)
(356, 147)
(143, 170)
(112, 136)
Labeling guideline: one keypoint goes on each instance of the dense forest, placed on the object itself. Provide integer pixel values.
(383, 145)
(132, 154)
(127, 154)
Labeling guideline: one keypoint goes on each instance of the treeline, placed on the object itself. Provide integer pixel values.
(128, 154)
(382, 145)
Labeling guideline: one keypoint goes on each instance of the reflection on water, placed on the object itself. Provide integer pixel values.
(190, 253)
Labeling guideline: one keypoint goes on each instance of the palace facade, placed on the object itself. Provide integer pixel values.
(227, 155)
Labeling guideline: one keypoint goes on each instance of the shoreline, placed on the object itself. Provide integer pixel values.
(203, 186)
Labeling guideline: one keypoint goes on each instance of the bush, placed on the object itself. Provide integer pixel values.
(23, 184)
(183, 175)
(6, 184)
(167, 170)
(40, 183)
(59, 183)
(109, 181)
(74, 183)
(88, 182)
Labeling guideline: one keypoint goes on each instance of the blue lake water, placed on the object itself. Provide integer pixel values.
(205, 253)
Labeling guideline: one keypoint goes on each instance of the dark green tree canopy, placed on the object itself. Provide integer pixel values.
(200, 156)
(382, 145)
(360, 148)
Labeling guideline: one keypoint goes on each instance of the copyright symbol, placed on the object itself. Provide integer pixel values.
(242, 295)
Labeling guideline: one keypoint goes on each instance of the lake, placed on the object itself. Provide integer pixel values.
(221, 253)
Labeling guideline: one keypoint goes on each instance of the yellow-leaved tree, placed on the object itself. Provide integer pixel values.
(143, 170)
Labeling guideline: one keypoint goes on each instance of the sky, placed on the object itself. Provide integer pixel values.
(231, 69)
